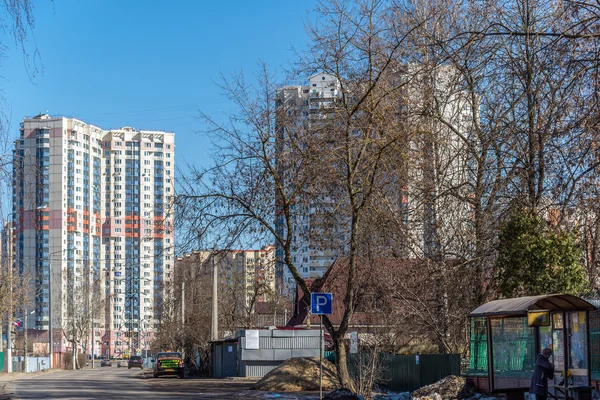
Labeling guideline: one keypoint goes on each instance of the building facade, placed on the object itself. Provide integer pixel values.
(422, 192)
(245, 278)
(138, 233)
(93, 227)
(309, 255)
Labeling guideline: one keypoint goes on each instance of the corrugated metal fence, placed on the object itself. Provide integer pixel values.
(274, 347)
(406, 373)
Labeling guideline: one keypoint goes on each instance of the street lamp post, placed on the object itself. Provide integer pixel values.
(9, 325)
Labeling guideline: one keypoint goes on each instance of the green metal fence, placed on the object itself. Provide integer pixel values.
(1, 361)
(330, 355)
(405, 373)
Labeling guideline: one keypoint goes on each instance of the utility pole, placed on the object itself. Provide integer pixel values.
(215, 312)
(25, 333)
(91, 314)
(74, 349)
(183, 304)
(130, 309)
(50, 327)
(50, 343)
(10, 321)
(9, 344)
(93, 343)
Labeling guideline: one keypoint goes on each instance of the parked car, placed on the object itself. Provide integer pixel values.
(105, 363)
(135, 361)
(168, 363)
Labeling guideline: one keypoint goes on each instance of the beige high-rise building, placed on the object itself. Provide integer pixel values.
(244, 276)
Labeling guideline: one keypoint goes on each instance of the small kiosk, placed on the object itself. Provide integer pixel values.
(506, 336)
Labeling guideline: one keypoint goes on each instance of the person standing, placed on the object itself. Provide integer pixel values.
(543, 371)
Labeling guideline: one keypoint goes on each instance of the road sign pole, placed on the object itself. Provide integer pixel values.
(321, 303)
(320, 356)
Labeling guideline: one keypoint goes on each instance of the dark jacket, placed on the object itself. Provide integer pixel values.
(542, 372)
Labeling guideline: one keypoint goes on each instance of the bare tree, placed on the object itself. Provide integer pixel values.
(448, 115)
(85, 303)
(16, 20)
(333, 159)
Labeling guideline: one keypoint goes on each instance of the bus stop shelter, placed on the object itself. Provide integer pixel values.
(506, 336)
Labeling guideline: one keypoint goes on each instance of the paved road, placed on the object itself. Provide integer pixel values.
(121, 383)
(99, 383)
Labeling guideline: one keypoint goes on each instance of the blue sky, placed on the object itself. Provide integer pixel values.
(149, 64)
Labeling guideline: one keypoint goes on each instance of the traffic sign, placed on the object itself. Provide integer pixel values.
(321, 303)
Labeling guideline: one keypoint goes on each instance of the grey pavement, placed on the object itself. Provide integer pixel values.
(99, 383)
(121, 383)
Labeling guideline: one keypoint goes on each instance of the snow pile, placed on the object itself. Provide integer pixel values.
(393, 396)
(299, 375)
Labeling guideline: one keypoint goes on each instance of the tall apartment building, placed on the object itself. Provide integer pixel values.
(440, 165)
(138, 232)
(92, 226)
(309, 256)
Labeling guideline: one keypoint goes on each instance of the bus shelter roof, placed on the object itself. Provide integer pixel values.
(521, 305)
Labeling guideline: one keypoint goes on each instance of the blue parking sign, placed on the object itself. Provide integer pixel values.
(321, 303)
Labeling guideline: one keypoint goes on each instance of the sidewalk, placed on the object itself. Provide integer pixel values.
(13, 376)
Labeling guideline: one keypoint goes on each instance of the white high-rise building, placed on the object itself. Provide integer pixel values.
(138, 233)
(93, 227)
(308, 254)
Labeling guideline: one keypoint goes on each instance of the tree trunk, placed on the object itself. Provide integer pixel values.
(443, 311)
(480, 252)
(342, 363)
